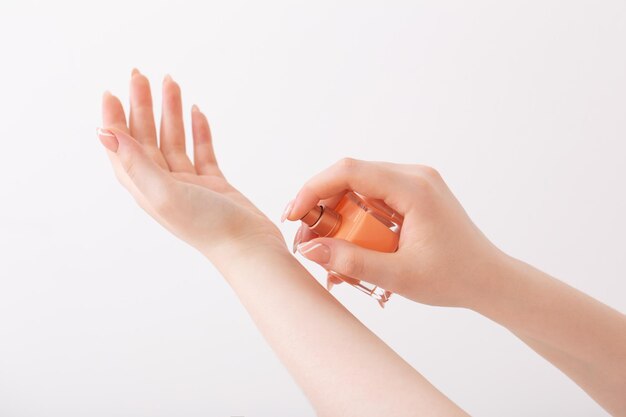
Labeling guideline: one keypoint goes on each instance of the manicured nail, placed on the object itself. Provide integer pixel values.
(195, 108)
(108, 139)
(329, 284)
(286, 211)
(332, 280)
(314, 251)
(167, 78)
(296, 239)
(134, 72)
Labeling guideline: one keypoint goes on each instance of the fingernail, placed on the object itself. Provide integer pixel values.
(314, 251)
(286, 211)
(296, 239)
(332, 280)
(108, 139)
(106, 93)
(134, 72)
(167, 78)
(329, 283)
(195, 108)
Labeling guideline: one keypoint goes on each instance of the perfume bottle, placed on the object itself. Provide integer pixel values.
(366, 222)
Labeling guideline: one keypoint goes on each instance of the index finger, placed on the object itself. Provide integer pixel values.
(372, 179)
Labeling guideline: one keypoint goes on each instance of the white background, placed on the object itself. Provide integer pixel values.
(521, 105)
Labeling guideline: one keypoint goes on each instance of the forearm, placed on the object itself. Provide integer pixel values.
(342, 367)
(583, 337)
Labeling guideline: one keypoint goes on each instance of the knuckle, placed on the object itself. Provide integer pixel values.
(347, 164)
(351, 264)
(424, 178)
(420, 182)
(173, 151)
(430, 172)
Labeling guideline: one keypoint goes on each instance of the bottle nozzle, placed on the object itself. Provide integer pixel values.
(322, 220)
(313, 215)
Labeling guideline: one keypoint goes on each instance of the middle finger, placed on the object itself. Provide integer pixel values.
(172, 129)
(141, 118)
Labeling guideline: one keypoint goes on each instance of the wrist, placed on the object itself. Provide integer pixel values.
(490, 281)
(238, 250)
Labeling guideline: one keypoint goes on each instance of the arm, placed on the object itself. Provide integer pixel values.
(342, 367)
(581, 336)
(444, 259)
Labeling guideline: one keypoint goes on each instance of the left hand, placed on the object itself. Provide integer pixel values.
(192, 200)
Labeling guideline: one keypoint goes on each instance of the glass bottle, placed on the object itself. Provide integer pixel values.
(366, 222)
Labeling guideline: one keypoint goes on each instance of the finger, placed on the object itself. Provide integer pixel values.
(113, 112)
(123, 178)
(172, 128)
(203, 153)
(120, 173)
(141, 118)
(303, 235)
(351, 260)
(373, 179)
(332, 201)
(113, 115)
(154, 183)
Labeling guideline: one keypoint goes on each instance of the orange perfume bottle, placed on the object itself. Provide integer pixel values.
(366, 222)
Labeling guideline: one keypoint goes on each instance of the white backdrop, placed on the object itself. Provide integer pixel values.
(521, 105)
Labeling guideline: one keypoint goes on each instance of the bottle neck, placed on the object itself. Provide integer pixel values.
(322, 220)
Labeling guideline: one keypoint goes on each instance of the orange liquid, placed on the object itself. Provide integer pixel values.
(371, 225)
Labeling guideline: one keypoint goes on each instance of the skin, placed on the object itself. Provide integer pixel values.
(443, 259)
(322, 344)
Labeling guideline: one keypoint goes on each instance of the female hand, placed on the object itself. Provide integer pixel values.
(192, 200)
(441, 253)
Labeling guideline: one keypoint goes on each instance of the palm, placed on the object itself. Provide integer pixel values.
(202, 181)
(218, 184)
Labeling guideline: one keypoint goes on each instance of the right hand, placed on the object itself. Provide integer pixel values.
(441, 254)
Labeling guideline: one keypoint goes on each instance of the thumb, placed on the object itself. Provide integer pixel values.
(351, 260)
(150, 179)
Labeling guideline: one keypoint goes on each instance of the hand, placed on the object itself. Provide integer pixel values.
(441, 253)
(192, 200)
